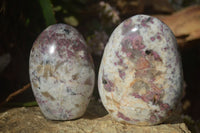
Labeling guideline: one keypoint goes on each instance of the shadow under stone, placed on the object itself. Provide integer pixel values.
(95, 110)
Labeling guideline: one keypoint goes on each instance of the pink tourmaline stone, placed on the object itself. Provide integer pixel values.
(61, 72)
(140, 77)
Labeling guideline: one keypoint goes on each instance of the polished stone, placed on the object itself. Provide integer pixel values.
(61, 72)
(140, 77)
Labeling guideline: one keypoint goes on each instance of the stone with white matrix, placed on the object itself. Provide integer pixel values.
(61, 72)
(140, 77)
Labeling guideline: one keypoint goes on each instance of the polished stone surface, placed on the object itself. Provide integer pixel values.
(61, 72)
(140, 77)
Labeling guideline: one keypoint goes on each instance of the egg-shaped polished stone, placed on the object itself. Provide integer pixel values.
(61, 72)
(140, 76)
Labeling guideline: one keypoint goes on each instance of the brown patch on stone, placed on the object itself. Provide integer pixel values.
(35, 85)
(48, 72)
(132, 83)
(77, 105)
(47, 95)
(156, 99)
(88, 81)
(137, 86)
(108, 98)
(111, 111)
(38, 69)
(75, 76)
(58, 65)
(142, 63)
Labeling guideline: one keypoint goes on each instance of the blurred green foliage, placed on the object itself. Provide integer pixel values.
(47, 10)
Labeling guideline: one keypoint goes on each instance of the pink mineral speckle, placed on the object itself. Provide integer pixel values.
(147, 20)
(108, 85)
(144, 23)
(158, 37)
(121, 74)
(152, 38)
(153, 118)
(156, 56)
(137, 42)
(166, 48)
(128, 54)
(161, 28)
(120, 60)
(164, 106)
(122, 116)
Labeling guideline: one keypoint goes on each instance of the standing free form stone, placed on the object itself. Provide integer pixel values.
(140, 77)
(61, 72)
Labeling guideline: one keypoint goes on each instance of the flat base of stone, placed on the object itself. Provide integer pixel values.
(95, 120)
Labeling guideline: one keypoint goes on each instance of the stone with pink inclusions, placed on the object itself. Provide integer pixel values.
(61, 72)
(140, 77)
